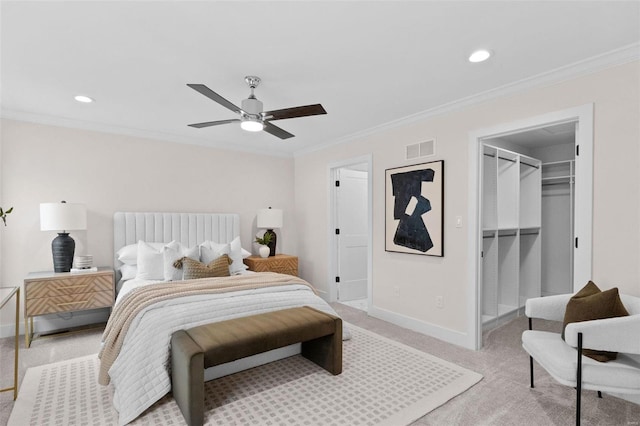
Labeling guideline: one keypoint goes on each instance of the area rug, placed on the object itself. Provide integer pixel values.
(383, 383)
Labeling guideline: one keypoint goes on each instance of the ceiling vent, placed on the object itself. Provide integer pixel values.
(421, 149)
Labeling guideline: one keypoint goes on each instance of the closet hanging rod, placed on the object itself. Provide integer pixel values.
(550, 178)
(507, 235)
(558, 183)
(555, 163)
(513, 161)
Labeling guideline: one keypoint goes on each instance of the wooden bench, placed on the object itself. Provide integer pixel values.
(208, 345)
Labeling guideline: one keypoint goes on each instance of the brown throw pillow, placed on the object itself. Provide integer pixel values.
(591, 304)
(192, 269)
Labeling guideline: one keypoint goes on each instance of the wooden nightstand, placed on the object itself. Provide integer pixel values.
(55, 292)
(281, 263)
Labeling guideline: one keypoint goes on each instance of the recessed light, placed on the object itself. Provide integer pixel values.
(83, 99)
(480, 56)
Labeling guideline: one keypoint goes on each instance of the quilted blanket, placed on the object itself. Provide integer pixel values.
(135, 353)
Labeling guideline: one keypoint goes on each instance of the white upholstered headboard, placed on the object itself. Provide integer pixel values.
(187, 228)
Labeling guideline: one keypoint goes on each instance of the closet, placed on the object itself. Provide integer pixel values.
(511, 223)
(527, 208)
(558, 199)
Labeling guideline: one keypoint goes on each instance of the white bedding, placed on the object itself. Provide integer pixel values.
(125, 286)
(140, 375)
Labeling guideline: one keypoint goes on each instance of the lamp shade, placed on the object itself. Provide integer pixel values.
(269, 218)
(63, 216)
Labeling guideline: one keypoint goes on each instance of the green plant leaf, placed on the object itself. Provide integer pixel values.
(264, 240)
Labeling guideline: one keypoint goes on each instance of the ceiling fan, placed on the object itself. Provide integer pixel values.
(252, 118)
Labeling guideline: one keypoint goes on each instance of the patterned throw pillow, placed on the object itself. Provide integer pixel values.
(193, 269)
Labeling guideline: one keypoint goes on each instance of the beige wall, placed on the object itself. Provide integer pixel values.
(112, 173)
(616, 231)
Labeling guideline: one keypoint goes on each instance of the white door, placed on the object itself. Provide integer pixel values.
(351, 220)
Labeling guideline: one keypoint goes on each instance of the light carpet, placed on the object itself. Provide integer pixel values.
(383, 383)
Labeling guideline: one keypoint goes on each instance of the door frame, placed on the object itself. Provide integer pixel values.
(583, 116)
(331, 235)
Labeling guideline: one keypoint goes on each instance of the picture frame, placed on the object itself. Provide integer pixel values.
(414, 209)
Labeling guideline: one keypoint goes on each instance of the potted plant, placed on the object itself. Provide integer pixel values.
(3, 214)
(264, 241)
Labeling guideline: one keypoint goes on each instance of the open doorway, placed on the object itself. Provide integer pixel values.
(351, 233)
(532, 206)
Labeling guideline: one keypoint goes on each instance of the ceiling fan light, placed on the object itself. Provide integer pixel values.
(252, 125)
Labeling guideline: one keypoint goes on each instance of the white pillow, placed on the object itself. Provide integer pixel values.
(129, 254)
(150, 262)
(128, 272)
(236, 255)
(174, 251)
(245, 253)
(210, 250)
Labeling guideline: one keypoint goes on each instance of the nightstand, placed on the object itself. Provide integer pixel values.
(56, 292)
(281, 263)
(6, 293)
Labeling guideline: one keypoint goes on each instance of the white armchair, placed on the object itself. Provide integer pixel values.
(563, 359)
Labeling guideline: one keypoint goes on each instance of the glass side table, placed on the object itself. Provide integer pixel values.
(6, 293)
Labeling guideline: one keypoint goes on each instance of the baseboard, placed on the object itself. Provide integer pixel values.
(450, 336)
(502, 319)
(323, 294)
(59, 322)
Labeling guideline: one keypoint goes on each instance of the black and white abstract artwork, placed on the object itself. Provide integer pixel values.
(415, 209)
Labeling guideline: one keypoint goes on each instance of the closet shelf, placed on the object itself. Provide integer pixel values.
(552, 178)
(511, 217)
(528, 230)
(502, 229)
(556, 163)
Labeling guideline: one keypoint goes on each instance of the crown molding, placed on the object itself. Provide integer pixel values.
(587, 66)
(124, 131)
(591, 65)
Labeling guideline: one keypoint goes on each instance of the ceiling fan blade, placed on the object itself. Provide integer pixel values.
(276, 131)
(201, 88)
(301, 111)
(213, 123)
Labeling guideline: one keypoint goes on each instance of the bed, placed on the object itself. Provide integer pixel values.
(138, 369)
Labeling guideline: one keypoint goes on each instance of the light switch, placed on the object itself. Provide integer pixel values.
(458, 221)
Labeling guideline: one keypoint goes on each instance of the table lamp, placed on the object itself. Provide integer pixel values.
(270, 219)
(63, 217)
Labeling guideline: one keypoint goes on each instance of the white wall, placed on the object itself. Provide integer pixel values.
(110, 173)
(616, 234)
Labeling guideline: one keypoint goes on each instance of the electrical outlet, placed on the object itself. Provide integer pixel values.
(396, 291)
(439, 302)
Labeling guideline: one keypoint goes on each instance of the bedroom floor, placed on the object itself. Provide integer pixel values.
(360, 304)
(503, 397)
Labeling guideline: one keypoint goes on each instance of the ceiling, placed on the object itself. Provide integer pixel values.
(555, 134)
(368, 63)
